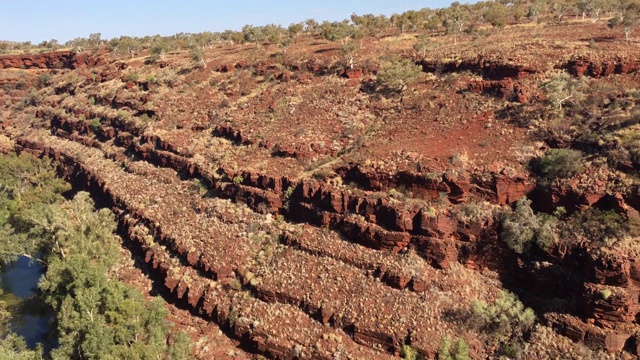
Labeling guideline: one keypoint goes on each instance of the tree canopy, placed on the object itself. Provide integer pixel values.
(96, 316)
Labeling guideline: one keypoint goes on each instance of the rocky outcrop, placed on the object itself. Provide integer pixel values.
(488, 69)
(594, 67)
(51, 60)
(440, 238)
(503, 89)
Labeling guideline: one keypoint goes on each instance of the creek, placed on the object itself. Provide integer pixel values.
(29, 317)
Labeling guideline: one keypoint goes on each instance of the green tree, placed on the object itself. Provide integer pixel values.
(535, 10)
(340, 31)
(496, 14)
(369, 23)
(311, 26)
(158, 51)
(95, 40)
(561, 7)
(197, 56)
(591, 7)
(405, 21)
(563, 89)
(454, 20)
(28, 187)
(284, 44)
(595, 9)
(348, 52)
(398, 75)
(13, 347)
(126, 45)
(295, 29)
(628, 17)
(253, 34)
(273, 33)
(96, 317)
(424, 43)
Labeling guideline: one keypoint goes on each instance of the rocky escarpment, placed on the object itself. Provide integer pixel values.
(51, 60)
(599, 67)
(299, 267)
(211, 257)
(444, 238)
(441, 238)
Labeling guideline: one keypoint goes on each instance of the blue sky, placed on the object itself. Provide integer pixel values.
(38, 20)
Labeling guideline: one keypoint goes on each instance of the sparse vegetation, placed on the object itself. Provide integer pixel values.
(287, 197)
(200, 166)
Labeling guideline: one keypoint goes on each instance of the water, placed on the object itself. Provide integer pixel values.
(19, 282)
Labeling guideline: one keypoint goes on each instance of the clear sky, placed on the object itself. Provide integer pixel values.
(38, 20)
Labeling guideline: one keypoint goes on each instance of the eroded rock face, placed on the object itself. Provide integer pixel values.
(385, 227)
(51, 60)
(373, 220)
(489, 69)
(585, 66)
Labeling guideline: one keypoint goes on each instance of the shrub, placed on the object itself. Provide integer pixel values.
(32, 99)
(606, 293)
(444, 349)
(596, 225)
(474, 211)
(409, 353)
(44, 80)
(460, 350)
(197, 57)
(95, 124)
(506, 322)
(287, 197)
(521, 228)
(559, 164)
(131, 77)
(237, 180)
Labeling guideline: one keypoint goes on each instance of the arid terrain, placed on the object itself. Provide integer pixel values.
(286, 205)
